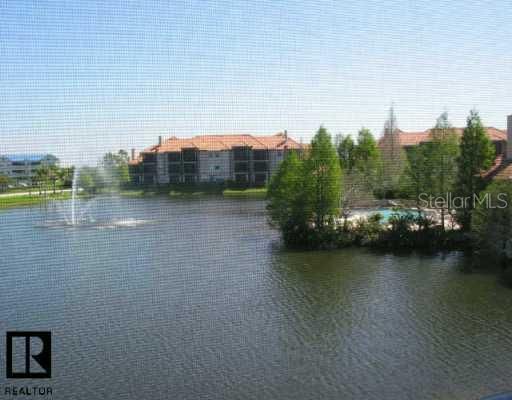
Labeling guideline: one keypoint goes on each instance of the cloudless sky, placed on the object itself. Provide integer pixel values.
(78, 78)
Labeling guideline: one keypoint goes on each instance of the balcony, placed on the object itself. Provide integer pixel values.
(241, 153)
(260, 166)
(241, 166)
(189, 155)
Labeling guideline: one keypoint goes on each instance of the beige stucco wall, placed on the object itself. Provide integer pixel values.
(209, 160)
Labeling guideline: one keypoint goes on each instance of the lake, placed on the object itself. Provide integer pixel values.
(200, 301)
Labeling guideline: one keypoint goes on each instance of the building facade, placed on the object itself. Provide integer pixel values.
(21, 168)
(407, 140)
(502, 169)
(244, 159)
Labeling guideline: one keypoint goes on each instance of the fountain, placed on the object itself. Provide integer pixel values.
(97, 211)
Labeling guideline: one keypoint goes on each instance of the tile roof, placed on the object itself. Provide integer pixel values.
(497, 168)
(225, 142)
(415, 138)
(503, 172)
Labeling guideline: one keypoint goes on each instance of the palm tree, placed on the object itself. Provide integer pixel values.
(41, 177)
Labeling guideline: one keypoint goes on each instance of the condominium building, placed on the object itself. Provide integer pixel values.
(21, 168)
(243, 159)
(407, 140)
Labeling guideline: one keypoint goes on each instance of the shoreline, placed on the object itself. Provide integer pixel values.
(24, 200)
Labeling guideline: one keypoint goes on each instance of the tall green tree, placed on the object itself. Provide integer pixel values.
(323, 178)
(367, 150)
(476, 155)
(360, 180)
(367, 156)
(394, 159)
(492, 222)
(442, 157)
(65, 175)
(47, 175)
(287, 205)
(4, 182)
(417, 178)
(115, 166)
(346, 152)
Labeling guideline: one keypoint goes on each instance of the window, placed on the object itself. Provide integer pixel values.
(189, 168)
(149, 158)
(174, 168)
(189, 155)
(174, 157)
(241, 167)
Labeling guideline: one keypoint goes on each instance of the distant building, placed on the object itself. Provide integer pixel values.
(502, 141)
(407, 140)
(21, 168)
(502, 169)
(244, 159)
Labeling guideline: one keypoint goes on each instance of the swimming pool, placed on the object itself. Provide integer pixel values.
(386, 213)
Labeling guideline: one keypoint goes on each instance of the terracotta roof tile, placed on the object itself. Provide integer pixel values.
(415, 138)
(225, 142)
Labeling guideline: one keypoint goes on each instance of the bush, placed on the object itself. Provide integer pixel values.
(367, 231)
(492, 221)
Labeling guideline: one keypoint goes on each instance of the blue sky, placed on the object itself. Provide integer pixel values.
(78, 78)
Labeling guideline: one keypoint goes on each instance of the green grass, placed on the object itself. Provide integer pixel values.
(188, 193)
(180, 191)
(135, 193)
(30, 200)
(31, 189)
(253, 193)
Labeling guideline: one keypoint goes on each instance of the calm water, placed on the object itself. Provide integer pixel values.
(202, 303)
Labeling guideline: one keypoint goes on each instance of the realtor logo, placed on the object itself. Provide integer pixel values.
(29, 355)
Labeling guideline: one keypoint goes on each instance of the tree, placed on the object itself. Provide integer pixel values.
(304, 194)
(346, 152)
(393, 157)
(367, 150)
(476, 155)
(360, 179)
(115, 166)
(492, 221)
(417, 177)
(367, 156)
(287, 201)
(443, 161)
(43, 176)
(65, 175)
(323, 178)
(4, 182)
(87, 179)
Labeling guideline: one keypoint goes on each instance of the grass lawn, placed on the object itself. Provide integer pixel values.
(135, 193)
(29, 200)
(178, 191)
(252, 193)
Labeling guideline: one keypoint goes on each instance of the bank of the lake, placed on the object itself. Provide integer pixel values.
(205, 300)
(195, 191)
(22, 199)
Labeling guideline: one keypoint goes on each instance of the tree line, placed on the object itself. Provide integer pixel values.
(111, 172)
(315, 189)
